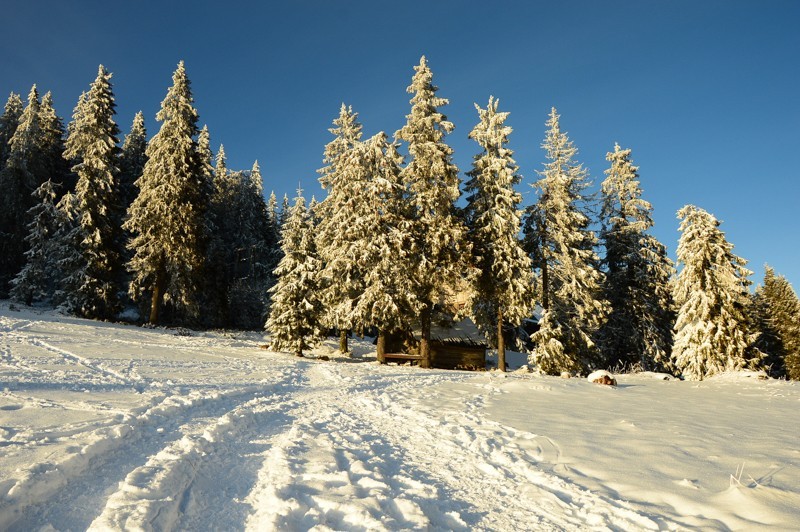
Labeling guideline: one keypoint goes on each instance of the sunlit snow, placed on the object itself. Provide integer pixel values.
(108, 426)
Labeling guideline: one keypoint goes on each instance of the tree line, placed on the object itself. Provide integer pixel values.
(163, 225)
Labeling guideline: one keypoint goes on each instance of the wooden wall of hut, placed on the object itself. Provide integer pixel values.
(448, 356)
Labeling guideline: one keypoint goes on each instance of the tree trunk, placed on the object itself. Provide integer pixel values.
(501, 343)
(545, 286)
(158, 295)
(381, 346)
(425, 342)
(343, 341)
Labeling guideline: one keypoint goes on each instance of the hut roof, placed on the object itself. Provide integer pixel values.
(463, 333)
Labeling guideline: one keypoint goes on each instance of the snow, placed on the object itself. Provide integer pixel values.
(106, 426)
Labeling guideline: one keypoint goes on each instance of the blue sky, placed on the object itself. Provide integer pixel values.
(705, 93)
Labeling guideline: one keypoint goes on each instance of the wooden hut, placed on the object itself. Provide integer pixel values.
(458, 345)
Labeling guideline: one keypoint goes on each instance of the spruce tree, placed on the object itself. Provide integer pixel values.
(273, 233)
(222, 259)
(639, 325)
(93, 145)
(67, 258)
(9, 121)
(339, 229)
(36, 282)
(294, 315)
(778, 308)
(710, 330)
(53, 164)
(132, 159)
(283, 215)
(18, 179)
(502, 289)
(247, 295)
(167, 217)
(561, 246)
(10, 195)
(385, 242)
(438, 240)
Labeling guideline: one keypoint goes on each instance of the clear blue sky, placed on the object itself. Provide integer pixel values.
(706, 93)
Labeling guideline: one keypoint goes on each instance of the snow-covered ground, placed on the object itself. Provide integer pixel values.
(119, 427)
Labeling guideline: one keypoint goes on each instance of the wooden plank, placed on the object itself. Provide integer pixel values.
(401, 356)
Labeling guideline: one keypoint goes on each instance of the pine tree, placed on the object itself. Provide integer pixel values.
(168, 215)
(561, 245)
(222, 257)
(93, 145)
(438, 236)
(132, 159)
(10, 195)
(246, 297)
(502, 289)
(385, 242)
(53, 164)
(273, 233)
(67, 259)
(8, 126)
(294, 315)
(778, 308)
(18, 180)
(339, 231)
(710, 290)
(283, 215)
(36, 282)
(639, 326)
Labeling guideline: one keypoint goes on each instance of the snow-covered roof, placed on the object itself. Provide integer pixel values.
(463, 332)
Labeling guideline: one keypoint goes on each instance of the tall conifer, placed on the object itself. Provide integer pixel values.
(92, 144)
(639, 326)
(438, 244)
(711, 328)
(342, 278)
(167, 217)
(503, 287)
(132, 159)
(18, 179)
(562, 250)
(36, 280)
(294, 315)
(778, 309)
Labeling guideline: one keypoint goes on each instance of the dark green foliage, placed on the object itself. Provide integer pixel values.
(777, 311)
(638, 331)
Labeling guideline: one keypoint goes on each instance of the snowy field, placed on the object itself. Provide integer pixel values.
(119, 427)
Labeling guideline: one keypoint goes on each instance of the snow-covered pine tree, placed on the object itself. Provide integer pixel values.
(10, 194)
(168, 216)
(385, 247)
(561, 245)
(53, 164)
(92, 144)
(222, 245)
(710, 329)
(9, 121)
(439, 246)
(274, 233)
(283, 215)
(35, 282)
(294, 315)
(639, 325)
(67, 258)
(341, 278)
(18, 179)
(503, 286)
(778, 309)
(132, 159)
(252, 279)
